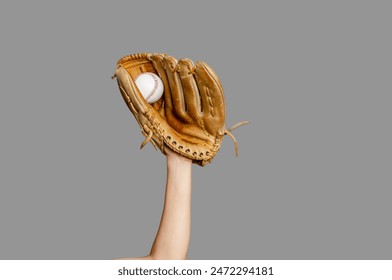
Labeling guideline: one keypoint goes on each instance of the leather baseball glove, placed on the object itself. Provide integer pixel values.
(190, 117)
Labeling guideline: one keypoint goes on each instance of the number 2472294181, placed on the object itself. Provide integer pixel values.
(241, 270)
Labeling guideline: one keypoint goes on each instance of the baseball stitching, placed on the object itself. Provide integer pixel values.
(155, 86)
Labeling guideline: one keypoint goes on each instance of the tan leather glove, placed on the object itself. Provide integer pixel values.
(190, 117)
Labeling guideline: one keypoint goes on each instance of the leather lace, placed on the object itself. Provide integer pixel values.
(228, 132)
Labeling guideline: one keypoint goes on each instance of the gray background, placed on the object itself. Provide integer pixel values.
(313, 178)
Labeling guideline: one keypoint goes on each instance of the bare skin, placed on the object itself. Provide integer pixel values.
(172, 239)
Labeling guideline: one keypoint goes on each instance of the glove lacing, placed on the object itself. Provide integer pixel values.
(228, 132)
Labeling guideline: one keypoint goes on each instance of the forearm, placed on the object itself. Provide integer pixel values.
(173, 235)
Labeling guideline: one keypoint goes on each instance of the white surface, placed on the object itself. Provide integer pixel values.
(195, 269)
(150, 86)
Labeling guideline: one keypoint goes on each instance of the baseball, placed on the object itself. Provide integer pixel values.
(150, 86)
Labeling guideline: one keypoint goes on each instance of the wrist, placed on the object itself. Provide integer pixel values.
(178, 160)
(175, 158)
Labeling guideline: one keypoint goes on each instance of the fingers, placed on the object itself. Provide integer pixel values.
(176, 90)
(166, 67)
(191, 92)
(211, 91)
(157, 60)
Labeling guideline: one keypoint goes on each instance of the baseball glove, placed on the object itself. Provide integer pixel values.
(190, 116)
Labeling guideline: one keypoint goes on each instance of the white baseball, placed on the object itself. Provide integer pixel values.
(150, 86)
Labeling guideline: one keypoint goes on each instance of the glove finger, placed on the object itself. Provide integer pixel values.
(211, 91)
(157, 61)
(130, 91)
(177, 96)
(191, 92)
